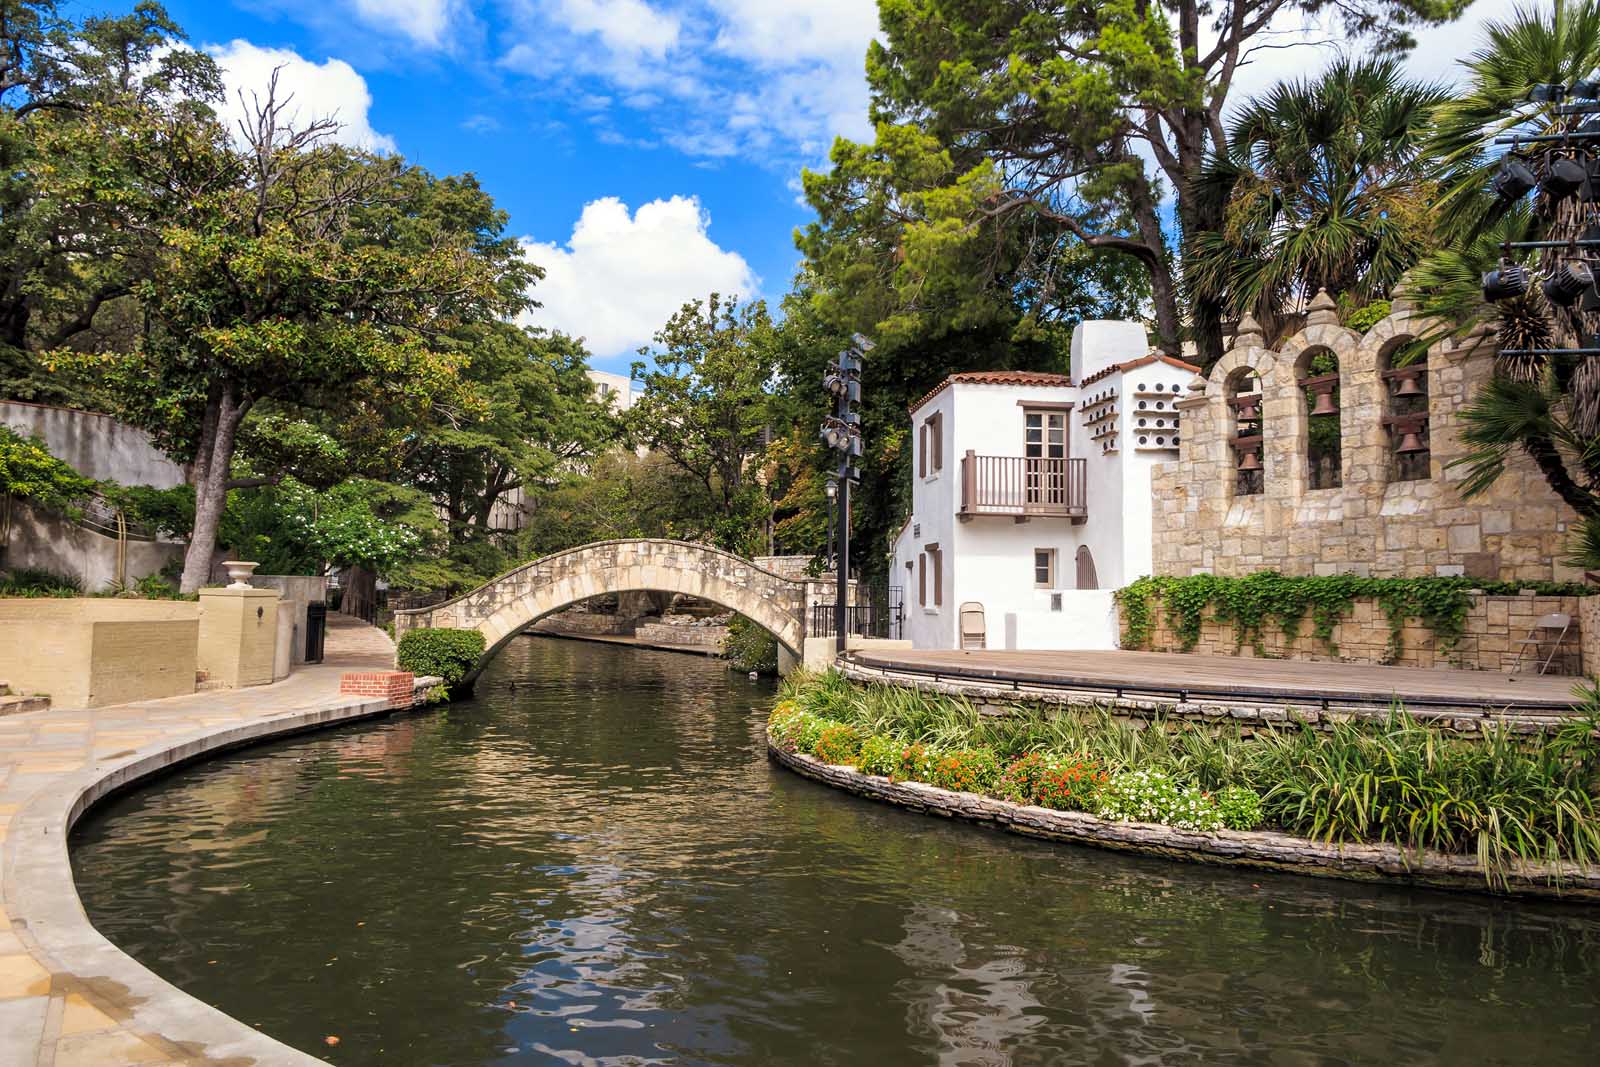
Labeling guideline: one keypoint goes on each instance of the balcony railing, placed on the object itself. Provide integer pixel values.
(1023, 487)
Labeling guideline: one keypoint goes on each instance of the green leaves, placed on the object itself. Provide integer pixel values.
(30, 473)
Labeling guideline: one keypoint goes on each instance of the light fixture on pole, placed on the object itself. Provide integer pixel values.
(832, 491)
(1505, 282)
(1514, 180)
(1567, 284)
(841, 433)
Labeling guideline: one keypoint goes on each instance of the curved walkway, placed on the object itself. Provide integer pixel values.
(68, 997)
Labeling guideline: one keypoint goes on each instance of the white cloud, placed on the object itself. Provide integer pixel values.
(621, 275)
(424, 21)
(331, 88)
(631, 27)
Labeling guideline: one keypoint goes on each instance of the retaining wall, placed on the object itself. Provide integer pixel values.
(85, 653)
(1258, 849)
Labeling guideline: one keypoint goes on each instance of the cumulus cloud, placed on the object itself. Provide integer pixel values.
(330, 89)
(622, 274)
(631, 27)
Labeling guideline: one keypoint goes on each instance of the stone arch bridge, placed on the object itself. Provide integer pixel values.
(511, 603)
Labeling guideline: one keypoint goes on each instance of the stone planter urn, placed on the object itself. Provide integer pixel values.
(239, 573)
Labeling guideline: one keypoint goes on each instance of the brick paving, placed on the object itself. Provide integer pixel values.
(68, 998)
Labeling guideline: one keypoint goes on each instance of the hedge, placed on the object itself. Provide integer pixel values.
(442, 652)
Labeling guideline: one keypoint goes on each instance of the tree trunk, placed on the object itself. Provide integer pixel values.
(213, 459)
(1163, 287)
(359, 593)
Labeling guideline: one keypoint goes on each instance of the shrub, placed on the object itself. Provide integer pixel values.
(914, 764)
(880, 754)
(748, 647)
(38, 582)
(1019, 783)
(442, 652)
(966, 770)
(1070, 783)
(838, 744)
(1239, 808)
(1152, 796)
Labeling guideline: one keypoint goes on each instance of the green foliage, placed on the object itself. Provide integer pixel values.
(1367, 316)
(29, 472)
(440, 652)
(1153, 796)
(168, 511)
(1239, 808)
(749, 647)
(291, 528)
(880, 755)
(1249, 603)
(38, 582)
(1504, 798)
(1323, 184)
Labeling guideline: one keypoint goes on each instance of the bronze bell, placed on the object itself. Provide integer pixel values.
(1250, 461)
(1408, 387)
(1248, 412)
(1410, 441)
(1325, 404)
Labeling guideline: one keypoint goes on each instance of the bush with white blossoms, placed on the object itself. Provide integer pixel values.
(1152, 796)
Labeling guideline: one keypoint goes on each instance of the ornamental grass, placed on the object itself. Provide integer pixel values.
(1507, 799)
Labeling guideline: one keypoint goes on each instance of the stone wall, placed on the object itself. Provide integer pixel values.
(586, 623)
(84, 653)
(669, 633)
(1490, 641)
(1373, 523)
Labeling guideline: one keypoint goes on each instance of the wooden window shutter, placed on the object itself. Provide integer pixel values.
(922, 579)
(938, 578)
(938, 442)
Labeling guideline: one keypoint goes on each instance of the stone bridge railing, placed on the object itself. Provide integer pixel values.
(511, 603)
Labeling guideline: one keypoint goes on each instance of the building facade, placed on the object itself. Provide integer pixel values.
(1031, 495)
(1335, 453)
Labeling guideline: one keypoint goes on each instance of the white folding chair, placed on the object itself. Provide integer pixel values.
(974, 631)
(1559, 623)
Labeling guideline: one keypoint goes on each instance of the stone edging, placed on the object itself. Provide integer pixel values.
(1258, 849)
(39, 883)
(1246, 711)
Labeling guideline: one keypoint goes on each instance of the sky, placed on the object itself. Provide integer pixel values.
(648, 151)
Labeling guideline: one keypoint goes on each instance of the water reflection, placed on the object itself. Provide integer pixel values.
(593, 863)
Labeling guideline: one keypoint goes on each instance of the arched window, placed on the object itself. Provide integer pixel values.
(1407, 414)
(1319, 386)
(1244, 400)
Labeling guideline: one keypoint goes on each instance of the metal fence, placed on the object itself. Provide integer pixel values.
(877, 613)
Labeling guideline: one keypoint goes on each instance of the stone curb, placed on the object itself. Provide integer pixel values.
(1255, 849)
(42, 899)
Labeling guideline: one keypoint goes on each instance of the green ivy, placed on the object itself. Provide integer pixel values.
(1250, 602)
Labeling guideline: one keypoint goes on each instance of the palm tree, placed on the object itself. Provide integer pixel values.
(1546, 408)
(1323, 185)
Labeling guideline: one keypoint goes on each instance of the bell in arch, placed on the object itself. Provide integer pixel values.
(1408, 387)
(1248, 411)
(1410, 441)
(1325, 404)
(1250, 461)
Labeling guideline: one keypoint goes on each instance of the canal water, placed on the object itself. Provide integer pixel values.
(593, 863)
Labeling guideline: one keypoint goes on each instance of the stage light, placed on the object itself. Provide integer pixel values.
(1567, 284)
(1513, 180)
(1508, 281)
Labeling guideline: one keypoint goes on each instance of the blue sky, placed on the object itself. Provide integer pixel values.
(648, 151)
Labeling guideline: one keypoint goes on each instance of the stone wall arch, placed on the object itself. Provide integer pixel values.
(508, 605)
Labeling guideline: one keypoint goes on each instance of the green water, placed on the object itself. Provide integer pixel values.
(594, 863)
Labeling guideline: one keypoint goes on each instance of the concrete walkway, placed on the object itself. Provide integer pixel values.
(68, 997)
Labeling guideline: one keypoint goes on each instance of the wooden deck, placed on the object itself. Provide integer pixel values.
(1187, 677)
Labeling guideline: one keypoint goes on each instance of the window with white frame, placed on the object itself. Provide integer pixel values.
(1044, 568)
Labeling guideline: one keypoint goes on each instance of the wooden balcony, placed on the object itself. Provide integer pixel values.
(1022, 488)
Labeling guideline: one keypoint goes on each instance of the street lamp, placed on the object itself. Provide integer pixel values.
(841, 432)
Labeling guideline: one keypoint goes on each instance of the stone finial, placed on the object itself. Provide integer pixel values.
(1322, 311)
(1400, 302)
(1198, 386)
(1248, 334)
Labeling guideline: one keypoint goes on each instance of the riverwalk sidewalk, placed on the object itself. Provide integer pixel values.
(68, 997)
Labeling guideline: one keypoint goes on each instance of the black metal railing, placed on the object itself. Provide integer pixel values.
(876, 613)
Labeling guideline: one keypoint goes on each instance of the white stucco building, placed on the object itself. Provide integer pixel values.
(618, 390)
(1031, 495)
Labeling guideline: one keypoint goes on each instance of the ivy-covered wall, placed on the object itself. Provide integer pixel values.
(1409, 623)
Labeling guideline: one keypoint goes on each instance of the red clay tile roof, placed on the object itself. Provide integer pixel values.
(994, 377)
(1142, 361)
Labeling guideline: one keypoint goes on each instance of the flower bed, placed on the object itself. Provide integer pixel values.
(1514, 811)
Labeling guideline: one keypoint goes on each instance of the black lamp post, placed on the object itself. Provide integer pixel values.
(841, 432)
(832, 489)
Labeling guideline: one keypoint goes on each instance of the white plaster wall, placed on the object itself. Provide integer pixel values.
(1102, 343)
(1132, 557)
(933, 521)
(97, 446)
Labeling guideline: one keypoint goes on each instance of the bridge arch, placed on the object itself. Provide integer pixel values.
(504, 607)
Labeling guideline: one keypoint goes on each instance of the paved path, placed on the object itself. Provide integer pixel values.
(1218, 677)
(68, 997)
